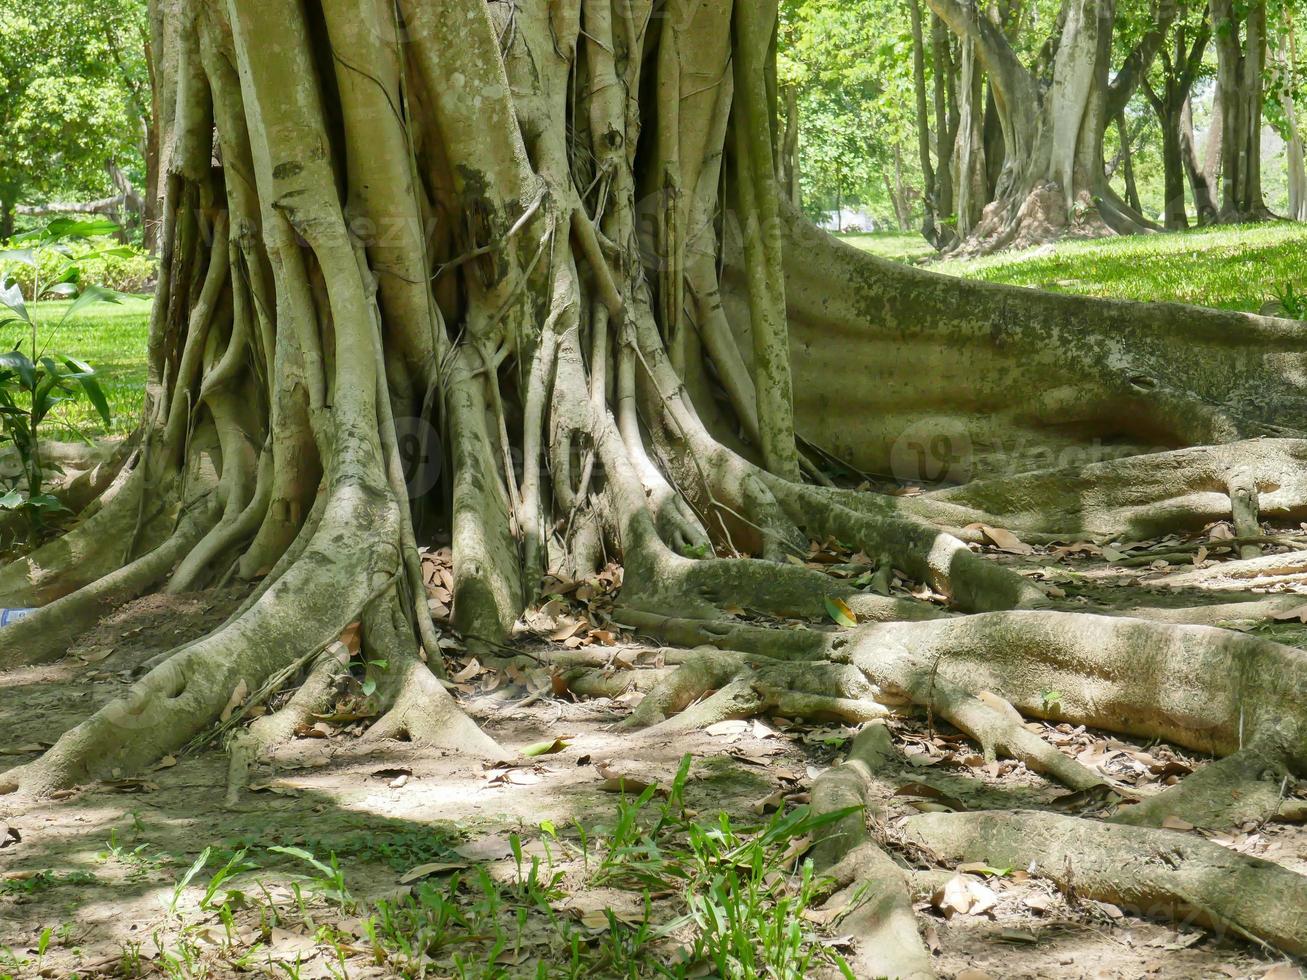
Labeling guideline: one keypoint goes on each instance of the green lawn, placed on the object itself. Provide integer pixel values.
(1235, 268)
(112, 339)
(897, 245)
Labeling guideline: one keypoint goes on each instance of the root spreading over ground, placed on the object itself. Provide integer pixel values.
(539, 251)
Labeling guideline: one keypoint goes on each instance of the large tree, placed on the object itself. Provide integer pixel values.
(1052, 115)
(553, 232)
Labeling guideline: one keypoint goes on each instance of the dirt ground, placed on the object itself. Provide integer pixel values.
(96, 884)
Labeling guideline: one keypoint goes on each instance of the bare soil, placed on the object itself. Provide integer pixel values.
(97, 872)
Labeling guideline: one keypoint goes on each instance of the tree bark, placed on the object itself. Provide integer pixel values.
(1240, 36)
(929, 191)
(534, 263)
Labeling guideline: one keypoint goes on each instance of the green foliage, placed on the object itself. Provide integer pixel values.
(105, 263)
(73, 96)
(1290, 303)
(1233, 267)
(34, 381)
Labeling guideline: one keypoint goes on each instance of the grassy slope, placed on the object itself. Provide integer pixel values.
(112, 339)
(1235, 268)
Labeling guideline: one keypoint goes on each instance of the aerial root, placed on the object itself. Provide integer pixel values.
(1149, 872)
(1138, 497)
(47, 634)
(874, 889)
(262, 738)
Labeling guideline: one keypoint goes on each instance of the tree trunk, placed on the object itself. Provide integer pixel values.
(899, 193)
(947, 121)
(6, 220)
(1052, 183)
(1240, 34)
(533, 265)
(1176, 218)
(1199, 187)
(929, 191)
(1294, 148)
(970, 175)
(789, 147)
(1128, 166)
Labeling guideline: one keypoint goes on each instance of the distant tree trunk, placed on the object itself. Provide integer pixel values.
(898, 193)
(1176, 217)
(153, 196)
(1199, 186)
(1170, 102)
(1214, 146)
(789, 148)
(1052, 183)
(969, 173)
(1127, 165)
(929, 191)
(1240, 34)
(946, 126)
(1293, 150)
(6, 220)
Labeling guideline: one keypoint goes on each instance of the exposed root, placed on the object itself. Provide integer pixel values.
(1153, 873)
(1247, 787)
(266, 734)
(875, 889)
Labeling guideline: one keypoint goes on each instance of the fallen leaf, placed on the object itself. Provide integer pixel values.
(167, 762)
(427, 870)
(963, 896)
(95, 656)
(1005, 540)
(469, 672)
(840, 613)
(770, 803)
(1172, 822)
(616, 780)
(547, 748)
(1018, 936)
(727, 729)
(1283, 971)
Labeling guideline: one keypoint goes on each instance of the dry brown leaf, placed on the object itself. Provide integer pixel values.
(1172, 822)
(95, 656)
(962, 895)
(728, 729)
(1004, 540)
(470, 671)
(1283, 971)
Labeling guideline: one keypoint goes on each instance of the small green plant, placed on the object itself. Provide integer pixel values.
(43, 880)
(330, 882)
(1290, 303)
(34, 380)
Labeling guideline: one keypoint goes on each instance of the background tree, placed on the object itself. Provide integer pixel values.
(68, 123)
